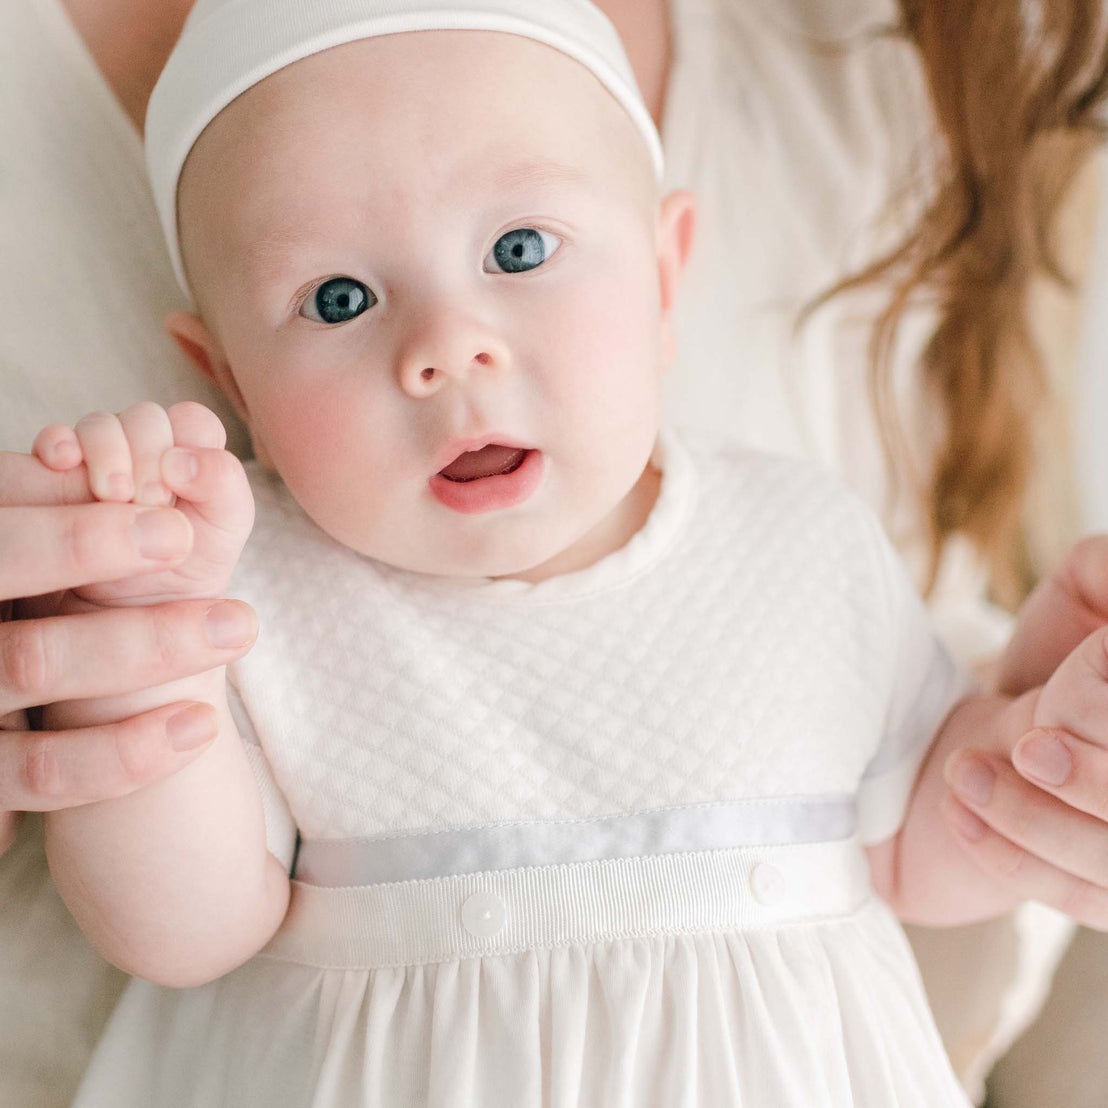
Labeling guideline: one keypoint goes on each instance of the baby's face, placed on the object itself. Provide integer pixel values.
(410, 247)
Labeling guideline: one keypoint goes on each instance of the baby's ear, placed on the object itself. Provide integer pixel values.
(202, 348)
(676, 229)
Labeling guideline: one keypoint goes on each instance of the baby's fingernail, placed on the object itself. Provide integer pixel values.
(973, 780)
(65, 453)
(153, 493)
(1044, 758)
(191, 728)
(120, 486)
(966, 823)
(162, 533)
(229, 625)
(180, 466)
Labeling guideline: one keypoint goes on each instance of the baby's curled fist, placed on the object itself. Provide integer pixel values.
(156, 458)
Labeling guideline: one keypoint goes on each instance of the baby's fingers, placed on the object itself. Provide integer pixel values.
(1076, 696)
(107, 455)
(195, 425)
(57, 448)
(214, 485)
(149, 435)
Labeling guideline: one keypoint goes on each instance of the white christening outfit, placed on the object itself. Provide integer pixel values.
(590, 842)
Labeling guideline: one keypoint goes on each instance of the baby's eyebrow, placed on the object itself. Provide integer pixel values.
(539, 171)
(266, 254)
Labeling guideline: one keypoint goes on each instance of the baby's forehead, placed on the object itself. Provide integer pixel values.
(429, 91)
(413, 109)
(236, 52)
(376, 138)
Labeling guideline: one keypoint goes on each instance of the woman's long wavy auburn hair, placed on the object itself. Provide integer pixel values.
(1016, 89)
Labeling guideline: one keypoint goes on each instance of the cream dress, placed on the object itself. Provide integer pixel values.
(791, 153)
(596, 841)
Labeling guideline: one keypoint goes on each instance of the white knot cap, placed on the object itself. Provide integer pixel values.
(229, 45)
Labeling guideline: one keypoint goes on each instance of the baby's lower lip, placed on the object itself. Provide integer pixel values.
(490, 494)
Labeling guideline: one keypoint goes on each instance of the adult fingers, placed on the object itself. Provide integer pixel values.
(1030, 819)
(26, 482)
(120, 650)
(44, 549)
(1066, 766)
(44, 771)
(1035, 879)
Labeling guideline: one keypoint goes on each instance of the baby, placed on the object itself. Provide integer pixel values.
(585, 747)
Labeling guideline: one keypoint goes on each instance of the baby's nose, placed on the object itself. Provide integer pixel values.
(429, 373)
(449, 352)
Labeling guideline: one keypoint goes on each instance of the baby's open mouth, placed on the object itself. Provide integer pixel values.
(489, 461)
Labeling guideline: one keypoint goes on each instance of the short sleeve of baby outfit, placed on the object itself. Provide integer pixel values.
(925, 685)
(280, 827)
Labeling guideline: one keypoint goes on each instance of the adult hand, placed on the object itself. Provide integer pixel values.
(1065, 607)
(1032, 810)
(53, 538)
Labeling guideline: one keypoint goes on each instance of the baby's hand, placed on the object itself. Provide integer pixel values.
(1044, 837)
(156, 458)
(1075, 699)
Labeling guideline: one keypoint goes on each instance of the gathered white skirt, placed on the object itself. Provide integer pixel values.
(764, 976)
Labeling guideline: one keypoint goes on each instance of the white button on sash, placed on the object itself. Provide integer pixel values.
(483, 914)
(767, 884)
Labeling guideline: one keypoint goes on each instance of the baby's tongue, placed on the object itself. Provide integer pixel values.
(485, 462)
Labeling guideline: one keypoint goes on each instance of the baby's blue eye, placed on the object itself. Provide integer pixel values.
(338, 300)
(521, 250)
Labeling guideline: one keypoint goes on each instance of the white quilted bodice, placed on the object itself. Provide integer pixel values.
(755, 639)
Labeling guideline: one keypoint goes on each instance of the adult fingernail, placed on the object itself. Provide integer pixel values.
(191, 728)
(161, 533)
(229, 624)
(180, 466)
(1044, 758)
(973, 780)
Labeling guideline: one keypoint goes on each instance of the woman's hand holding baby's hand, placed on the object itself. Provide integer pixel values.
(155, 458)
(1032, 811)
(52, 538)
(224, 894)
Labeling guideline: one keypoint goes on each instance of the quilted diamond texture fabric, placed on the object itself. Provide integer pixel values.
(745, 643)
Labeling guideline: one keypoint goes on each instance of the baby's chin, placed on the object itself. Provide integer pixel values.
(519, 565)
(525, 558)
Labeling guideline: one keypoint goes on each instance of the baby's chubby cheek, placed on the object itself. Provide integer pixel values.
(315, 440)
(608, 357)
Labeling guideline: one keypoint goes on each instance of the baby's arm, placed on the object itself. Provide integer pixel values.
(921, 871)
(172, 882)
